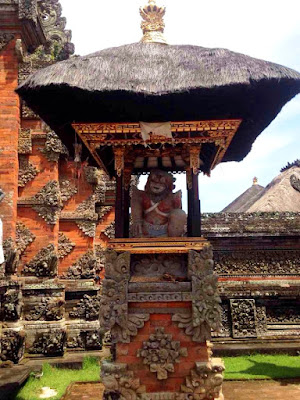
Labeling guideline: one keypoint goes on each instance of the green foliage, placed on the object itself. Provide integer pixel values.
(262, 366)
(59, 379)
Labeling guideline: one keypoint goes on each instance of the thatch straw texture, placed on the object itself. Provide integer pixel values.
(280, 195)
(154, 82)
(245, 200)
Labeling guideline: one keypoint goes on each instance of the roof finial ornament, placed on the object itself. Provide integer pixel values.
(255, 180)
(153, 24)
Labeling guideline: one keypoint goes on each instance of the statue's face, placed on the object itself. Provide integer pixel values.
(158, 184)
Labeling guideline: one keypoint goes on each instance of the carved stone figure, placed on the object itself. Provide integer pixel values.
(156, 212)
(44, 263)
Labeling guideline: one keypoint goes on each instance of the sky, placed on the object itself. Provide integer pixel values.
(266, 29)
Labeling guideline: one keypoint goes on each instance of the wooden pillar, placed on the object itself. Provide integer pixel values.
(127, 182)
(119, 207)
(194, 215)
(120, 193)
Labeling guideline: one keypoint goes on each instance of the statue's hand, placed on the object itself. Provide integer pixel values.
(137, 229)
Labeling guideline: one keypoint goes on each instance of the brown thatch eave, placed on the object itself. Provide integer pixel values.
(151, 82)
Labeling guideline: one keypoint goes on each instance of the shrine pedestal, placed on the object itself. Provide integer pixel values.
(160, 306)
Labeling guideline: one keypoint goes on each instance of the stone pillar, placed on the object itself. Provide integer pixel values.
(160, 329)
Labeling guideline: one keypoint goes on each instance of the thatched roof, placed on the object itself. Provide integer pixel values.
(245, 200)
(282, 194)
(154, 82)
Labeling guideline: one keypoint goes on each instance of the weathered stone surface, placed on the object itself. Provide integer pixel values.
(158, 265)
(11, 256)
(27, 171)
(49, 309)
(65, 246)
(88, 308)
(86, 267)
(11, 305)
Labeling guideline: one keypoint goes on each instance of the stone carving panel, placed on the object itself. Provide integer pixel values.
(86, 267)
(206, 302)
(109, 231)
(283, 315)
(65, 246)
(49, 343)
(47, 202)
(49, 309)
(54, 148)
(23, 237)
(88, 308)
(11, 305)
(85, 339)
(12, 344)
(67, 190)
(262, 262)
(44, 264)
(27, 171)
(25, 141)
(120, 383)
(161, 353)
(158, 265)
(11, 256)
(205, 381)
(244, 319)
(114, 303)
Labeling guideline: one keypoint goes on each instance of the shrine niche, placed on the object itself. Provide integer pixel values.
(159, 287)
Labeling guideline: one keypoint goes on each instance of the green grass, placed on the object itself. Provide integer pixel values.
(262, 366)
(59, 379)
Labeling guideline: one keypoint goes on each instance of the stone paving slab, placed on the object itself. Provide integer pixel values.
(233, 390)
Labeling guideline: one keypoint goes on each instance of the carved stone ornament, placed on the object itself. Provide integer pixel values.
(67, 190)
(109, 231)
(206, 308)
(49, 344)
(114, 304)
(27, 112)
(86, 267)
(65, 246)
(88, 217)
(54, 25)
(87, 227)
(11, 305)
(27, 171)
(158, 265)
(244, 319)
(295, 181)
(28, 10)
(120, 383)
(103, 211)
(25, 141)
(205, 381)
(260, 262)
(48, 203)
(23, 237)
(49, 309)
(54, 148)
(88, 308)
(153, 23)
(88, 340)
(5, 38)
(280, 315)
(11, 256)
(44, 264)
(160, 352)
(12, 345)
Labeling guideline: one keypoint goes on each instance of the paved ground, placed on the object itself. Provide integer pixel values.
(233, 390)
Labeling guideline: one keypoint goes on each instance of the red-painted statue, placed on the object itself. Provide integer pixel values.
(156, 212)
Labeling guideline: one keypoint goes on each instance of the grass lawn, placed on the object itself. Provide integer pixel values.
(257, 366)
(59, 379)
(262, 366)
